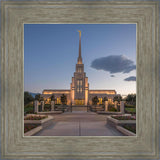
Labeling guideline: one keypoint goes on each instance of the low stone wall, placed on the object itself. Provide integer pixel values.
(43, 123)
(109, 113)
(50, 113)
(125, 131)
(119, 123)
(33, 131)
(116, 122)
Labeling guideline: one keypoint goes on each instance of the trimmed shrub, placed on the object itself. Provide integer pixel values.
(47, 107)
(112, 109)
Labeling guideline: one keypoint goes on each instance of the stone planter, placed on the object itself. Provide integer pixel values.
(125, 131)
(116, 122)
(109, 113)
(33, 131)
(44, 122)
(50, 112)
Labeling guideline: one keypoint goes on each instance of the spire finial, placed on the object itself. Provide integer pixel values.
(79, 57)
(79, 33)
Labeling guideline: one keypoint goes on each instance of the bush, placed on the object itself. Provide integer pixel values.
(29, 108)
(112, 109)
(47, 107)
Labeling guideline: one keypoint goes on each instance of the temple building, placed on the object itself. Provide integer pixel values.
(79, 92)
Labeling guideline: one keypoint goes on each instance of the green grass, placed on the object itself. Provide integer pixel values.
(130, 109)
(130, 106)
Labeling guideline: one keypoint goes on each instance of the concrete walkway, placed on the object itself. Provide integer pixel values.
(79, 124)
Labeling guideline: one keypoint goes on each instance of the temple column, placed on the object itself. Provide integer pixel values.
(86, 91)
(72, 91)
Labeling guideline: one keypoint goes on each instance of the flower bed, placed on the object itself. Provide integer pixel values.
(124, 117)
(121, 120)
(36, 117)
(131, 128)
(44, 120)
(28, 127)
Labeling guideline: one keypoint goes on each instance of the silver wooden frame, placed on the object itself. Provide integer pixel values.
(14, 144)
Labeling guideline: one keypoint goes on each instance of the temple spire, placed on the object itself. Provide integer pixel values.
(79, 57)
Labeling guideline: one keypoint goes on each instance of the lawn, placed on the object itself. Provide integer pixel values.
(130, 110)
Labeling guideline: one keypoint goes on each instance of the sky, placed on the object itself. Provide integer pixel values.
(108, 54)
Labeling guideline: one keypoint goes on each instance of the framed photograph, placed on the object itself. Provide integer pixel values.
(80, 79)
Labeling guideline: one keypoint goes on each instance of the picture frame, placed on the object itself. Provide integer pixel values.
(15, 144)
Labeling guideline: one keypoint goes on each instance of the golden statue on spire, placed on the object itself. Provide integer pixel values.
(79, 33)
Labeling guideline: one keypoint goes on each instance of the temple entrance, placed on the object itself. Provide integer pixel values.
(79, 102)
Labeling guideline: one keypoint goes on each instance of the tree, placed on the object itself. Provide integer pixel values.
(95, 100)
(63, 99)
(117, 98)
(27, 98)
(131, 98)
(37, 97)
(41, 99)
(52, 97)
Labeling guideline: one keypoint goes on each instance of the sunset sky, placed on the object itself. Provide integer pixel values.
(108, 53)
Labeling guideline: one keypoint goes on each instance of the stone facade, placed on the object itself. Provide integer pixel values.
(79, 93)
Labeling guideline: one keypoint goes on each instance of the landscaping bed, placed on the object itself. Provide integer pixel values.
(121, 120)
(109, 113)
(28, 127)
(35, 117)
(124, 117)
(127, 129)
(124, 123)
(44, 121)
(31, 129)
(131, 128)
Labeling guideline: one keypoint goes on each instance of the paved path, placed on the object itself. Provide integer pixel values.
(79, 124)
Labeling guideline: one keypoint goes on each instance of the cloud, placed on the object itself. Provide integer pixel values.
(114, 64)
(112, 75)
(131, 78)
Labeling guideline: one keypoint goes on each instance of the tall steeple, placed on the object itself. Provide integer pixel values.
(79, 57)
